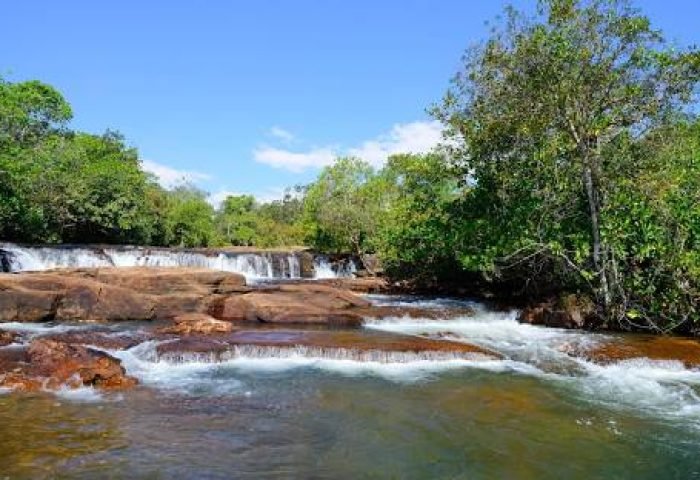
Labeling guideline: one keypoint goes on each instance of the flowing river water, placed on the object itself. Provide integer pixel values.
(541, 411)
(537, 413)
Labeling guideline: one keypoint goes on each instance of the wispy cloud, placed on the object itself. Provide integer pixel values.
(294, 161)
(170, 177)
(282, 134)
(414, 137)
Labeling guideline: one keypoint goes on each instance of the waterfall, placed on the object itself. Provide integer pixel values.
(15, 258)
(324, 268)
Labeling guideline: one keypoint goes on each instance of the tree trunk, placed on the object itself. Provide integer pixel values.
(598, 249)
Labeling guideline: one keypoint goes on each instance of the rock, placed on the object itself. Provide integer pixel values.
(112, 294)
(49, 364)
(106, 340)
(119, 294)
(292, 304)
(629, 346)
(6, 338)
(347, 344)
(197, 323)
(570, 311)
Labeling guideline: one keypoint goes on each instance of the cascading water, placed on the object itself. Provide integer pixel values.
(252, 265)
(324, 268)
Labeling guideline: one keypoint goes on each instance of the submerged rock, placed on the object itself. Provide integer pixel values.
(49, 364)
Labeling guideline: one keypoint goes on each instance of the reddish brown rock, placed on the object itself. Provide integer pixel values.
(101, 339)
(118, 294)
(349, 342)
(197, 323)
(112, 294)
(303, 303)
(48, 364)
(625, 347)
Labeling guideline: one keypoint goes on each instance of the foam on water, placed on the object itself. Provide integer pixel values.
(41, 328)
(420, 301)
(196, 371)
(81, 394)
(661, 388)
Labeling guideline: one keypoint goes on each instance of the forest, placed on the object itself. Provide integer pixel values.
(570, 164)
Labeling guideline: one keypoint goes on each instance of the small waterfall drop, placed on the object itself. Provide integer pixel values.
(324, 268)
(263, 265)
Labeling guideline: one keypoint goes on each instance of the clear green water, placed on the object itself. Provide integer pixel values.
(307, 423)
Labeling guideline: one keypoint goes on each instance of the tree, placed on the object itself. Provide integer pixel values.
(416, 235)
(341, 209)
(189, 219)
(542, 114)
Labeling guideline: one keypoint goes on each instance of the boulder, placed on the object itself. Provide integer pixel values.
(112, 294)
(49, 364)
(570, 311)
(119, 294)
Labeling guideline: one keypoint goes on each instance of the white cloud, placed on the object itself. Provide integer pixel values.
(282, 134)
(170, 177)
(294, 161)
(414, 137)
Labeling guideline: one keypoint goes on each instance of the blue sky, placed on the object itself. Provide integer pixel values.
(253, 96)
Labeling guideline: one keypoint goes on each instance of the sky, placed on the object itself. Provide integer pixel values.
(254, 96)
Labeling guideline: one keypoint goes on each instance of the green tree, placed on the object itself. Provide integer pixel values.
(416, 235)
(341, 211)
(542, 113)
(189, 219)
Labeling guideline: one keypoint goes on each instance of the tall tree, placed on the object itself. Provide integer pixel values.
(541, 112)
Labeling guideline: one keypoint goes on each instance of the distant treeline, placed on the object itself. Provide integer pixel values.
(571, 164)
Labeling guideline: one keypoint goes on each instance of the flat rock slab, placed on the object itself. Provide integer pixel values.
(626, 347)
(322, 342)
(144, 293)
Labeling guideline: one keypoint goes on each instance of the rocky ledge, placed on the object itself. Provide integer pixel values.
(118, 294)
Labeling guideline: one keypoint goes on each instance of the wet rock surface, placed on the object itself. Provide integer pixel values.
(325, 342)
(50, 364)
(627, 347)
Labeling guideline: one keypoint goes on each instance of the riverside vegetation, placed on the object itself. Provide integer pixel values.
(571, 166)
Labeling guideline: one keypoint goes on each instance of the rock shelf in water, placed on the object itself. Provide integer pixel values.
(138, 293)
